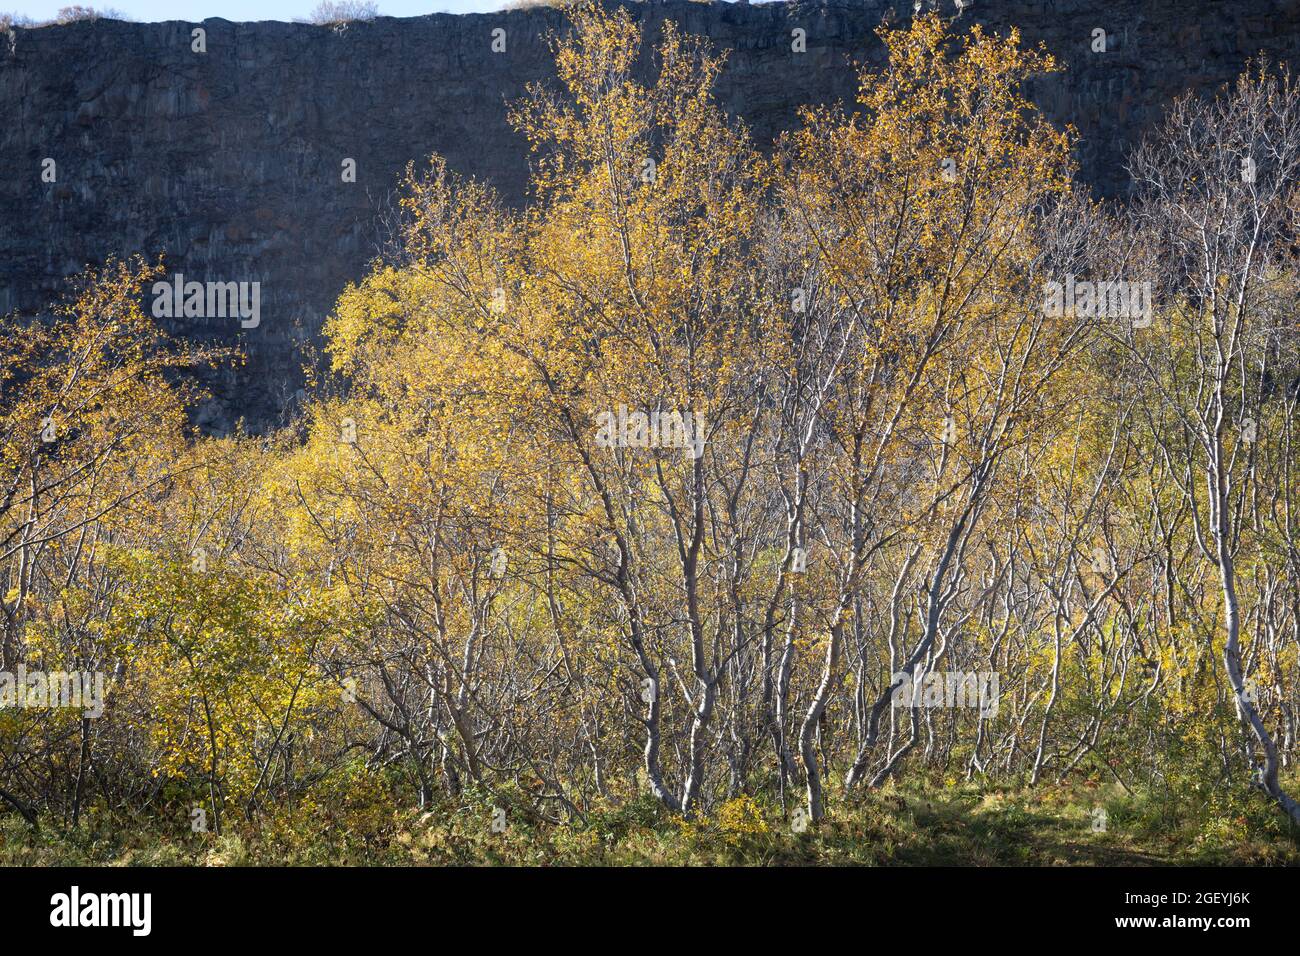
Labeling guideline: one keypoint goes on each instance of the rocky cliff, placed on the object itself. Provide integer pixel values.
(230, 161)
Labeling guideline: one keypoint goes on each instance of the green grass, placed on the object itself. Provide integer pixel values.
(935, 824)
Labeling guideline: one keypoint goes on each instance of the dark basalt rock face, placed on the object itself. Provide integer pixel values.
(229, 162)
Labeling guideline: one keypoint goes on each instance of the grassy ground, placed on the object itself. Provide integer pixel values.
(931, 825)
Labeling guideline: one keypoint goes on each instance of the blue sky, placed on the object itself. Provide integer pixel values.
(195, 10)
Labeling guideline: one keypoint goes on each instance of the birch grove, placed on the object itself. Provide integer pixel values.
(716, 470)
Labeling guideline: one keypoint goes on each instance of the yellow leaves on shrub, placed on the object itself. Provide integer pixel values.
(741, 816)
